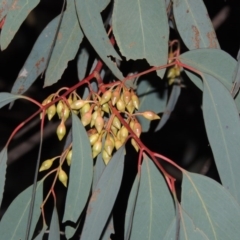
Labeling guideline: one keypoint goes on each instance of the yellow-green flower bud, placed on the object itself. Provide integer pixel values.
(114, 130)
(116, 123)
(69, 157)
(65, 112)
(93, 138)
(135, 101)
(77, 104)
(60, 107)
(126, 96)
(46, 165)
(137, 128)
(134, 144)
(150, 115)
(51, 111)
(63, 178)
(108, 146)
(106, 157)
(61, 130)
(121, 105)
(96, 149)
(115, 96)
(130, 107)
(105, 108)
(99, 123)
(85, 108)
(86, 118)
(123, 133)
(118, 144)
(70, 101)
(106, 97)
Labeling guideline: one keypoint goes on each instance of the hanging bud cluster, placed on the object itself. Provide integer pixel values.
(106, 132)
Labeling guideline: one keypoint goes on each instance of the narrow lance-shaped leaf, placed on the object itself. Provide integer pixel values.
(223, 130)
(17, 13)
(109, 229)
(14, 222)
(3, 167)
(93, 28)
(36, 61)
(81, 172)
(154, 209)
(211, 207)
(82, 63)
(40, 235)
(131, 207)
(236, 77)
(103, 197)
(4, 6)
(54, 230)
(6, 98)
(194, 24)
(66, 47)
(142, 31)
(175, 93)
(103, 4)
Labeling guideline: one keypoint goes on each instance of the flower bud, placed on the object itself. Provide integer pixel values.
(118, 144)
(126, 96)
(123, 133)
(106, 97)
(171, 73)
(132, 124)
(96, 149)
(86, 118)
(134, 144)
(99, 123)
(108, 146)
(114, 130)
(105, 108)
(51, 111)
(106, 157)
(137, 128)
(69, 157)
(46, 101)
(116, 123)
(85, 108)
(63, 178)
(59, 109)
(61, 130)
(121, 105)
(115, 96)
(150, 115)
(135, 101)
(130, 107)
(65, 112)
(93, 138)
(46, 165)
(77, 104)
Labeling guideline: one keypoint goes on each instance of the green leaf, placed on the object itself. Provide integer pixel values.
(172, 232)
(66, 46)
(130, 207)
(194, 25)
(93, 28)
(54, 230)
(4, 6)
(6, 98)
(40, 235)
(82, 63)
(17, 13)
(142, 31)
(3, 167)
(175, 93)
(236, 77)
(81, 172)
(210, 206)
(14, 222)
(154, 209)
(103, 197)
(152, 97)
(103, 4)
(109, 229)
(36, 61)
(223, 130)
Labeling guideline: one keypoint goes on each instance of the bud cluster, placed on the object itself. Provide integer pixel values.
(105, 130)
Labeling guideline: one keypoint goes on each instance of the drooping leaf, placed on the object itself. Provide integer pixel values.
(152, 98)
(17, 13)
(40, 235)
(175, 93)
(68, 140)
(54, 230)
(3, 167)
(130, 208)
(103, 197)
(109, 229)
(215, 62)
(154, 209)
(172, 232)
(81, 172)
(211, 207)
(223, 130)
(103, 4)
(66, 47)
(14, 222)
(194, 24)
(82, 63)
(6, 98)
(142, 31)
(93, 28)
(36, 61)
(4, 6)
(236, 77)
(188, 230)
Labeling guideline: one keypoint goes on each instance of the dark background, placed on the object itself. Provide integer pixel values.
(182, 139)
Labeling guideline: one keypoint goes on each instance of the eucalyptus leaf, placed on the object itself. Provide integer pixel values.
(82, 63)
(154, 205)
(223, 130)
(103, 197)
(142, 31)
(210, 207)
(6, 98)
(4, 6)
(81, 172)
(40, 235)
(54, 230)
(194, 25)
(17, 13)
(14, 221)
(66, 46)
(109, 229)
(3, 167)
